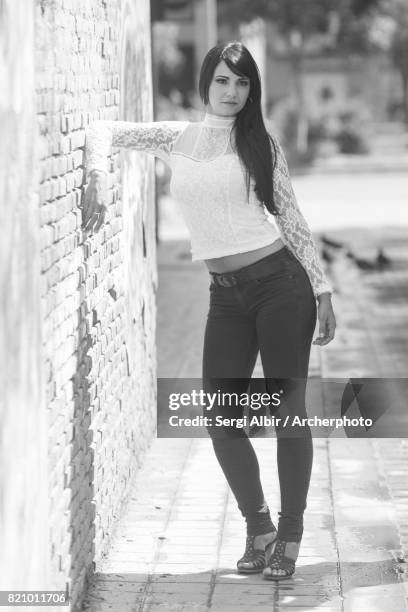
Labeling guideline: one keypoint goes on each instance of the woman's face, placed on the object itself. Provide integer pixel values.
(228, 92)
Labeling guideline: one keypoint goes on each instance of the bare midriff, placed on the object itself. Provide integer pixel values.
(230, 263)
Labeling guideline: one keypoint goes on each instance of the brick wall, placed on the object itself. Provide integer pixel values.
(92, 298)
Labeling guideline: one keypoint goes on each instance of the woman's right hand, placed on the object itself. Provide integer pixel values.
(94, 209)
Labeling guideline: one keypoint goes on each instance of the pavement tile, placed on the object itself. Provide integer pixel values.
(183, 568)
(173, 607)
(116, 597)
(181, 529)
(206, 519)
(125, 567)
(133, 558)
(202, 588)
(308, 601)
(381, 590)
(176, 597)
(325, 578)
(181, 579)
(368, 574)
(365, 516)
(100, 606)
(188, 546)
(247, 601)
(240, 607)
(266, 587)
(304, 560)
(190, 540)
(375, 604)
(121, 585)
(358, 551)
(192, 558)
(251, 601)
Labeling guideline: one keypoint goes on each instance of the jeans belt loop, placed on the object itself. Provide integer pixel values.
(226, 280)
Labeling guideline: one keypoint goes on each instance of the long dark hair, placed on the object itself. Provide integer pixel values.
(252, 140)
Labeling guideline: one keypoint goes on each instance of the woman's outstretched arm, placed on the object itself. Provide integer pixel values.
(157, 138)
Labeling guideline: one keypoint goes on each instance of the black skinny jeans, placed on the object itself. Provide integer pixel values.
(276, 315)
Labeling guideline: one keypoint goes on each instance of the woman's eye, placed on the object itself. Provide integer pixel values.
(222, 81)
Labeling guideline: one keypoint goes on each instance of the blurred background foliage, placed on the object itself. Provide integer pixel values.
(335, 72)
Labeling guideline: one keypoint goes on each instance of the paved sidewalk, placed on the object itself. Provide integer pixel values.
(177, 546)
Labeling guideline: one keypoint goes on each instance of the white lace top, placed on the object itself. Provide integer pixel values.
(208, 182)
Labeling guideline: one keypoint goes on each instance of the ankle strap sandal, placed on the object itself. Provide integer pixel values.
(254, 559)
(278, 561)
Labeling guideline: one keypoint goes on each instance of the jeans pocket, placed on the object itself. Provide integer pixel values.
(278, 275)
(278, 285)
(300, 278)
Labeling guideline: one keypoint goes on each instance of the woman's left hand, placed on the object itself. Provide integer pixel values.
(327, 320)
(94, 209)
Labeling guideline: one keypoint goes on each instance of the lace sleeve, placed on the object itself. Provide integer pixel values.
(295, 231)
(156, 138)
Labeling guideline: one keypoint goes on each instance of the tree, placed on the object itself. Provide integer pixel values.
(168, 59)
(395, 39)
(387, 29)
(297, 22)
(399, 51)
(340, 26)
(304, 16)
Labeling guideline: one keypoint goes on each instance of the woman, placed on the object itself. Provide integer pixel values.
(231, 180)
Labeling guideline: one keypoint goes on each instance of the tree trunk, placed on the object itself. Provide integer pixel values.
(405, 96)
(400, 59)
(302, 126)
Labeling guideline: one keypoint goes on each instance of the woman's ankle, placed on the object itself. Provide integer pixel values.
(290, 529)
(291, 548)
(259, 524)
(258, 530)
(262, 539)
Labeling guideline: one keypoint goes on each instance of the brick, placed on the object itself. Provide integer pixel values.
(77, 158)
(70, 181)
(77, 139)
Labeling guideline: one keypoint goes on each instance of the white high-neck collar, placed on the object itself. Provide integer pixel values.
(217, 121)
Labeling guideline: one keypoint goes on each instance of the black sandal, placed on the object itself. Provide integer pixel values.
(254, 560)
(278, 561)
